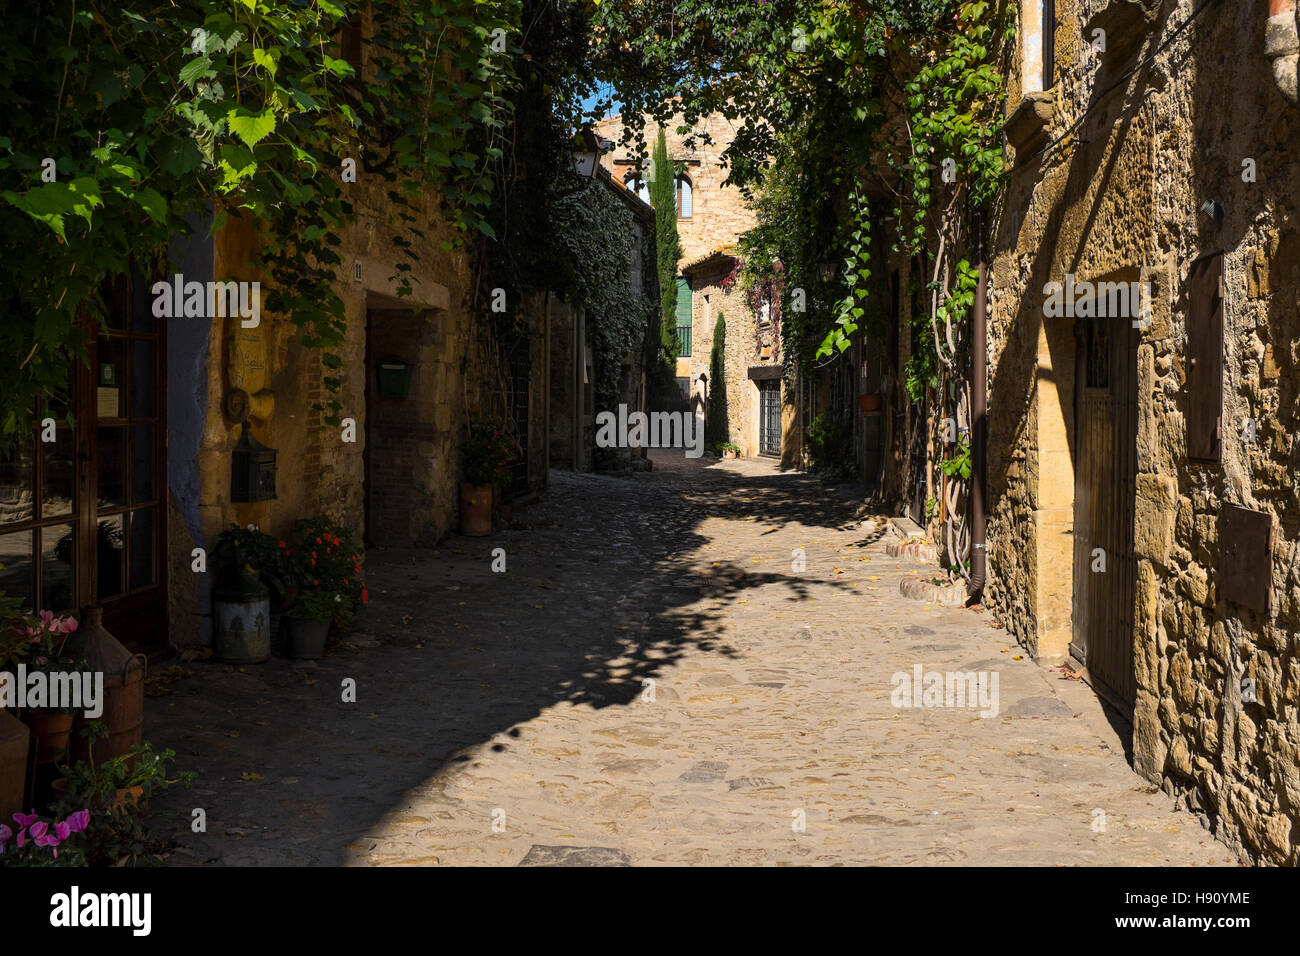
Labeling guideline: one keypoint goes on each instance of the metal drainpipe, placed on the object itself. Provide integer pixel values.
(979, 424)
(1282, 46)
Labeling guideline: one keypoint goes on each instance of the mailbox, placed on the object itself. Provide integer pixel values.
(394, 378)
(252, 470)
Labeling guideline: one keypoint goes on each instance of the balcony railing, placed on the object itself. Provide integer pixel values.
(684, 341)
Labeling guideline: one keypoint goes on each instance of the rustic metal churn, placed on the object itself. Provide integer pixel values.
(243, 619)
(14, 742)
(123, 701)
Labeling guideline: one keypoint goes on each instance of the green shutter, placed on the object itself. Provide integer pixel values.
(683, 302)
(684, 321)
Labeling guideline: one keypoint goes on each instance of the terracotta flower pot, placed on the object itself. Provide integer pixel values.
(869, 403)
(15, 738)
(475, 510)
(52, 730)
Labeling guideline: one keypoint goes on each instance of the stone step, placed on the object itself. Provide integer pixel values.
(945, 595)
(916, 550)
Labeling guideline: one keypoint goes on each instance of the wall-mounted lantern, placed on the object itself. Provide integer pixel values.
(586, 152)
(826, 269)
(252, 470)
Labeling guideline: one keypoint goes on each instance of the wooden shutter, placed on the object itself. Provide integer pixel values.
(1205, 359)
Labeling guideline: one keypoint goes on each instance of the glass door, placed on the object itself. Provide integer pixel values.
(126, 440)
(41, 504)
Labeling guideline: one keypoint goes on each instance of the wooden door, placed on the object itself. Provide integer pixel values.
(1105, 482)
(124, 531)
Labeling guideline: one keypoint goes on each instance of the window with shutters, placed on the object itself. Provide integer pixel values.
(685, 197)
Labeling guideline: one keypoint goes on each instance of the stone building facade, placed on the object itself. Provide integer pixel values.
(710, 224)
(751, 360)
(717, 215)
(391, 470)
(1143, 512)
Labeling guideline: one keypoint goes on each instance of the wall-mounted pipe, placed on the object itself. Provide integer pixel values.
(979, 424)
(1282, 46)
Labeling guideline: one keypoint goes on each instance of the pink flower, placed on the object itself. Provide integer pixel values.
(62, 830)
(5, 836)
(25, 820)
(79, 821)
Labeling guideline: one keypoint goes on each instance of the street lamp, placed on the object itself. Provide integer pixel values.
(586, 152)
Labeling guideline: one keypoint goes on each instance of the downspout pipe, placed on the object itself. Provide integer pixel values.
(979, 425)
(1282, 46)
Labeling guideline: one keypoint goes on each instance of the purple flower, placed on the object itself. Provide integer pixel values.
(79, 821)
(5, 836)
(25, 819)
(62, 830)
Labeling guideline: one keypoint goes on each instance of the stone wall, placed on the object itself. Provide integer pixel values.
(318, 469)
(745, 346)
(1217, 714)
(719, 214)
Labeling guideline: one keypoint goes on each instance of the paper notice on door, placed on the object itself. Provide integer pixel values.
(107, 402)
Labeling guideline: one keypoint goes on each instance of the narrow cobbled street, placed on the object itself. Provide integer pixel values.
(649, 682)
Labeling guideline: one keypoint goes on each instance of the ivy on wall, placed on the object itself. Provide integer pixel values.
(141, 114)
(597, 234)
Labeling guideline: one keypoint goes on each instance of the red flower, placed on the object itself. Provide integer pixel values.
(279, 544)
(365, 596)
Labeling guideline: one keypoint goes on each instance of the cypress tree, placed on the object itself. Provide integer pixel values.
(663, 196)
(715, 426)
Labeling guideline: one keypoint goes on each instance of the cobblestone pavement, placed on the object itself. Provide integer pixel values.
(506, 718)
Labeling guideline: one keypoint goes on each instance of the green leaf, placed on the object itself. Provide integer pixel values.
(264, 60)
(153, 203)
(251, 127)
(196, 68)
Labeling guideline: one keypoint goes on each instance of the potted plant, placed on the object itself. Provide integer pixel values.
(308, 623)
(47, 635)
(730, 450)
(37, 840)
(489, 453)
(116, 793)
(241, 600)
(325, 557)
(15, 737)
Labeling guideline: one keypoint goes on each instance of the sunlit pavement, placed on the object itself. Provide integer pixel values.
(651, 682)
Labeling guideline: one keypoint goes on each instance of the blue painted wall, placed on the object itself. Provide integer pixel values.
(187, 395)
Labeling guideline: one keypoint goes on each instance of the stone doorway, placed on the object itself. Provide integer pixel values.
(1104, 502)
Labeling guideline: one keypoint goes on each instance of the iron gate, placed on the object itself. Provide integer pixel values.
(769, 418)
(1105, 482)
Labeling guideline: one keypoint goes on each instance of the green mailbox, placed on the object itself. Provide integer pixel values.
(394, 378)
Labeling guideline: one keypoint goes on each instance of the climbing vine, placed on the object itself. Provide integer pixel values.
(862, 130)
(141, 118)
(597, 234)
